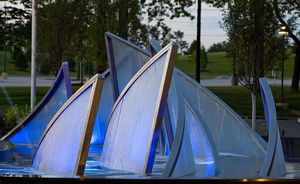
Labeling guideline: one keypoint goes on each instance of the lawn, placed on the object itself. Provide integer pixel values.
(219, 64)
(239, 99)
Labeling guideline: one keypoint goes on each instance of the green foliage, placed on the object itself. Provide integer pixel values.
(14, 115)
(217, 47)
(19, 59)
(183, 45)
(253, 44)
(203, 58)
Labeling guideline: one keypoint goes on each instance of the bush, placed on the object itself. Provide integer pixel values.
(2, 115)
(19, 59)
(203, 58)
(14, 115)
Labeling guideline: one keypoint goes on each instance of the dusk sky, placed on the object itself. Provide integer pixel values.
(210, 29)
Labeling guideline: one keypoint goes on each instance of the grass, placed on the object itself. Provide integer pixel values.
(219, 64)
(21, 96)
(237, 97)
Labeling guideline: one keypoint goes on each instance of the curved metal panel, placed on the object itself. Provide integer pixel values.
(125, 59)
(181, 160)
(31, 129)
(105, 106)
(135, 120)
(274, 164)
(64, 146)
(221, 120)
(204, 148)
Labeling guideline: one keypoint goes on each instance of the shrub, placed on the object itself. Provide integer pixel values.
(19, 59)
(14, 115)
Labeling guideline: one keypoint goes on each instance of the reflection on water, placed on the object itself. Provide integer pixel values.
(17, 161)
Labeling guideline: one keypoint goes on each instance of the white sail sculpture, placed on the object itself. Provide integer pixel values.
(64, 146)
(125, 60)
(30, 130)
(233, 144)
(135, 121)
(274, 164)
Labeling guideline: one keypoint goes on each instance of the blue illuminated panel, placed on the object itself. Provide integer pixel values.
(32, 128)
(274, 164)
(105, 107)
(57, 153)
(128, 142)
(229, 131)
(62, 144)
(125, 59)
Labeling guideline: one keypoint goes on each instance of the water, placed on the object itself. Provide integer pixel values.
(17, 161)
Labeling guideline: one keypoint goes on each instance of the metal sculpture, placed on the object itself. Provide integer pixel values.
(135, 121)
(125, 59)
(274, 164)
(65, 143)
(30, 130)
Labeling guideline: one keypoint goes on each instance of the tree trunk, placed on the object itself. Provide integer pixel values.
(123, 18)
(253, 95)
(234, 77)
(295, 81)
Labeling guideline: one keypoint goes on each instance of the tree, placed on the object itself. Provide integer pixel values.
(253, 41)
(217, 47)
(19, 59)
(287, 12)
(203, 58)
(183, 45)
(56, 27)
(203, 55)
(15, 25)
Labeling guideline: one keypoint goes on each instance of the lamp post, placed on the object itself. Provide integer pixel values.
(33, 54)
(282, 33)
(4, 74)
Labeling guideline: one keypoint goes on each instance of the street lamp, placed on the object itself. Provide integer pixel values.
(283, 32)
(4, 74)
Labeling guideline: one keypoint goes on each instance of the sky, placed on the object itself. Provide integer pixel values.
(210, 25)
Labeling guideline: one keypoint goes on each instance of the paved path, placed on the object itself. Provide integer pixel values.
(48, 80)
(25, 81)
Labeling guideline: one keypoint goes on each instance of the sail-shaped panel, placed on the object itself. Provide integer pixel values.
(232, 137)
(125, 60)
(274, 164)
(135, 121)
(30, 130)
(64, 146)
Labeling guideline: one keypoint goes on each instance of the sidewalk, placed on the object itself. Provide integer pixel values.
(26, 81)
(48, 80)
